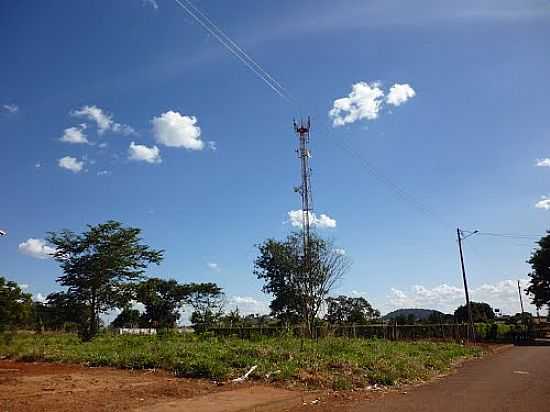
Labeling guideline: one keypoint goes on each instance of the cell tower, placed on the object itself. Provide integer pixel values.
(302, 131)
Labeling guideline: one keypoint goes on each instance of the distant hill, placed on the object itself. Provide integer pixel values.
(420, 314)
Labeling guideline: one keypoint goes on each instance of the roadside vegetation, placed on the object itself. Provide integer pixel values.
(337, 363)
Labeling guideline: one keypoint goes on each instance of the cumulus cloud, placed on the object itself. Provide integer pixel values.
(71, 163)
(502, 295)
(543, 203)
(103, 120)
(366, 101)
(143, 153)
(75, 135)
(363, 102)
(543, 162)
(37, 248)
(176, 130)
(10, 108)
(213, 266)
(295, 217)
(340, 252)
(399, 94)
(248, 305)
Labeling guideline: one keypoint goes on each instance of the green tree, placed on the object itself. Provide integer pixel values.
(207, 301)
(128, 318)
(299, 284)
(60, 311)
(100, 267)
(15, 305)
(162, 300)
(539, 287)
(345, 309)
(481, 312)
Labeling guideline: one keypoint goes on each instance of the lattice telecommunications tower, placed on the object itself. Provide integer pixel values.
(302, 131)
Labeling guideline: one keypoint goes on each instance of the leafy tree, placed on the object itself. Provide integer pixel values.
(481, 312)
(299, 284)
(128, 318)
(60, 311)
(15, 305)
(100, 267)
(539, 287)
(345, 309)
(162, 299)
(206, 299)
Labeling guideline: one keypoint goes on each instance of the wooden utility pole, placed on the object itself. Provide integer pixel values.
(471, 330)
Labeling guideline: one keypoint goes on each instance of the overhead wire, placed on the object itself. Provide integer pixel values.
(236, 46)
(224, 40)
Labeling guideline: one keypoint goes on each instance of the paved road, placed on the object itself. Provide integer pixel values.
(515, 380)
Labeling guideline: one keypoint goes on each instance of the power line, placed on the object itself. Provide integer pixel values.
(510, 235)
(236, 46)
(236, 51)
(394, 187)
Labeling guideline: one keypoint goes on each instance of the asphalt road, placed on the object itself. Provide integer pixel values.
(516, 379)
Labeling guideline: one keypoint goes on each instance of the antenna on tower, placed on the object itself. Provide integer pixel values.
(302, 131)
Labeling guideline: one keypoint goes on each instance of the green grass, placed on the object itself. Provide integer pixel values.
(338, 363)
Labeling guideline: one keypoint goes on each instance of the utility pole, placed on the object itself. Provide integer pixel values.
(471, 330)
(302, 131)
(521, 303)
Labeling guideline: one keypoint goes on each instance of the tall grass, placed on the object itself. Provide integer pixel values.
(339, 363)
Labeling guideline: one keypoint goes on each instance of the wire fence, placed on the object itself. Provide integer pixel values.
(388, 331)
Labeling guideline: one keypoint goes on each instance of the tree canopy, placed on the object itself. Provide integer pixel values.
(481, 312)
(299, 284)
(539, 287)
(162, 300)
(346, 309)
(100, 266)
(15, 305)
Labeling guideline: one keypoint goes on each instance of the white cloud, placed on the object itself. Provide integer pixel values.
(363, 102)
(399, 94)
(502, 295)
(70, 163)
(176, 130)
(544, 203)
(75, 135)
(39, 297)
(248, 305)
(213, 266)
(543, 162)
(212, 145)
(143, 153)
(36, 248)
(102, 145)
(104, 173)
(366, 100)
(23, 286)
(151, 3)
(295, 217)
(37, 165)
(340, 252)
(104, 121)
(10, 108)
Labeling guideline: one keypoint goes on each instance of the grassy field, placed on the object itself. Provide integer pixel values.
(337, 363)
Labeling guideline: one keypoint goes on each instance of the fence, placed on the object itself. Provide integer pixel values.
(384, 331)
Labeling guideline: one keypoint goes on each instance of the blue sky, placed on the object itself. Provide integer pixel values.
(396, 179)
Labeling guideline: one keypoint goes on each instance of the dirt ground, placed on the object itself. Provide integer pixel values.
(515, 378)
(39, 386)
